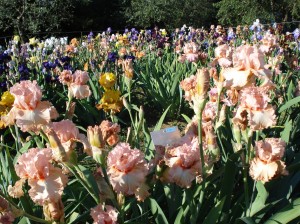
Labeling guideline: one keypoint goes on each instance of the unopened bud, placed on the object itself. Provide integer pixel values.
(202, 81)
(126, 104)
(56, 145)
(121, 199)
(141, 113)
(54, 211)
(222, 117)
(236, 133)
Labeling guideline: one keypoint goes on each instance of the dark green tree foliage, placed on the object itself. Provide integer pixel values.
(28, 17)
(98, 15)
(235, 12)
(169, 13)
(31, 16)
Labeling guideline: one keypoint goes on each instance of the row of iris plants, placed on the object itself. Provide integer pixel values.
(146, 126)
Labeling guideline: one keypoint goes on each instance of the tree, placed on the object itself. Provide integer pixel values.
(169, 13)
(25, 17)
(98, 15)
(235, 12)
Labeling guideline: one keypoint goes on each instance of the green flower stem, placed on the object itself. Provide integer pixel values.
(16, 136)
(88, 187)
(36, 219)
(37, 140)
(128, 82)
(113, 118)
(76, 172)
(252, 198)
(201, 108)
(114, 200)
(249, 146)
(245, 170)
(246, 189)
(135, 126)
(44, 136)
(131, 118)
(68, 106)
(222, 146)
(115, 203)
(218, 105)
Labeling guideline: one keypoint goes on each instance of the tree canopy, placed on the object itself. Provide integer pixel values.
(234, 12)
(169, 13)
(33, 16)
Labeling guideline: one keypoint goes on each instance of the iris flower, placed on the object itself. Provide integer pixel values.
(110, 101)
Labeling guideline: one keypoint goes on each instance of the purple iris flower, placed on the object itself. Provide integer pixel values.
(129, 57)
(296, 33)
(90, 36)
(112, 56)
(65, 59)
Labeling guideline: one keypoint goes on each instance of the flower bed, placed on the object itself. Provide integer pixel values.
(84, 134)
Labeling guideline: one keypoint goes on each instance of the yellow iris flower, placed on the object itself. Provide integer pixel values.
(107, 80)
(7, 100)
(110, 101)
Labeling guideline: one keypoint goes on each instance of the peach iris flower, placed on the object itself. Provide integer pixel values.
(189, 87)
(267, 164)
(263, 171)
(107, 216)
(128, 68)
(66, 77)
(78, 87)
(248, 61)
(190, 53)
(254, 109)
(268, 41)
(76, 82)
(183, 156)
(68, 134)
(127, 169)
(223, 56)
(46, 181)
(271, 149)
(106, 132)
(196, 87)
(183, 164)
(28, 110)
(248, 57)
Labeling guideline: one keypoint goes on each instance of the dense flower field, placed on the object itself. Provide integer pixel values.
(193, 126)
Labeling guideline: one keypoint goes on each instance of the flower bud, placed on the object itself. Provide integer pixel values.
(94, 136)
(202, 81)
(212, 145)
(126, 104)
(55, 144)
(236, 133)
(141, 113)
(54, 211)
(121, 199)
(222, 117)
(97, 143)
